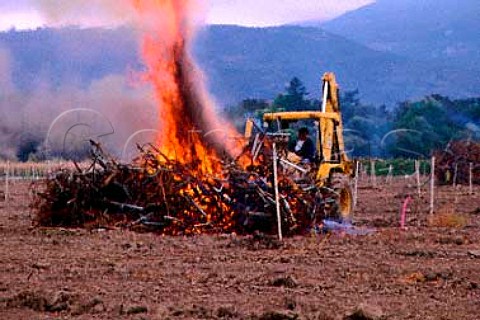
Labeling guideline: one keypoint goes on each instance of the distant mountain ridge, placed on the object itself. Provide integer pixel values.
(444, 32)
(261, 61)
(68, 55)
(239, 62)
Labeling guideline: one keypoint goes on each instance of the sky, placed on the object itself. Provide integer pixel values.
(26, 14)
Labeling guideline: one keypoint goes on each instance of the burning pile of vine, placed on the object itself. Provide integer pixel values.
(155, 193)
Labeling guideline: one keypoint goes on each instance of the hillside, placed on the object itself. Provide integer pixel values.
(440, 31)
(68, 55)
(258, 63)
(239, 62)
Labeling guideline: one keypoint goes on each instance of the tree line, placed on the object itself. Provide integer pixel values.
(411, 129)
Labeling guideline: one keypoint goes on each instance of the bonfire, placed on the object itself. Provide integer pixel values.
(198, 176)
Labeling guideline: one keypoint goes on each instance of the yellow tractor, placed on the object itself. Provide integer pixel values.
(329, 170)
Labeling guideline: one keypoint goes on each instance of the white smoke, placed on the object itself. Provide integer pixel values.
(6, 86)
(105, 13)
(91, 13)
(26, 118)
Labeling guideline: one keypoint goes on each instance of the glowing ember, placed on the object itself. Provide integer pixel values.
(186, 115)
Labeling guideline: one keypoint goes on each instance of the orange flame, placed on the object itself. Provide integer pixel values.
(185, 112)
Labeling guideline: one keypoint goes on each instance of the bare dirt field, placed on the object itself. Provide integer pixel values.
(424, 272)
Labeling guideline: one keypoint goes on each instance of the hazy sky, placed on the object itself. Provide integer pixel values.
(25, 13)
(275, 12)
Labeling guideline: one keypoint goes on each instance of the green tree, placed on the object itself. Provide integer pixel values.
(350, 104)
(364, 125)
(253, 105)
(431, 124)
(295, 97)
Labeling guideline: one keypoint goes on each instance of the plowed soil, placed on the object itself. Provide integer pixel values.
(429, 271)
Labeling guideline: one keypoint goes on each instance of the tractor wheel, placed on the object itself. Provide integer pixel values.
(340, 183)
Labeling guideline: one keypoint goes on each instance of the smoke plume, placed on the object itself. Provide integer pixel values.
(25, 118)
(171, 97)
(86, 13)
(6, 86)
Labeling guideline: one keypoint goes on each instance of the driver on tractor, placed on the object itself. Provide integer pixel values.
(304, 146)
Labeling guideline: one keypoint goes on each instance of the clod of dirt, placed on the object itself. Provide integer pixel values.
(431, 276)
(126, 246)
(40, 266)
(365, 312)
(452, 240)
(93, 306)
(290, 304)
(41, 301)
(286, 282)
(137, 310)
(276, 315)
(286, 260)
(418, 253)
(473, 286)
(196, 312)
(320, 315)
(258, 241)
(381, 223)
(227, 312)
(31, 300)
(474, 254)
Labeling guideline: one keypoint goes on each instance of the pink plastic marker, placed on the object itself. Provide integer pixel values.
(404, 212)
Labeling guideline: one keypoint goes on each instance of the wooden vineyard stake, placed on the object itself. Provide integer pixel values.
(7, 191)
(355, 188)
(470, 178)
(417, 174)
(277, 196)
(432, 186)
(373, 173)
